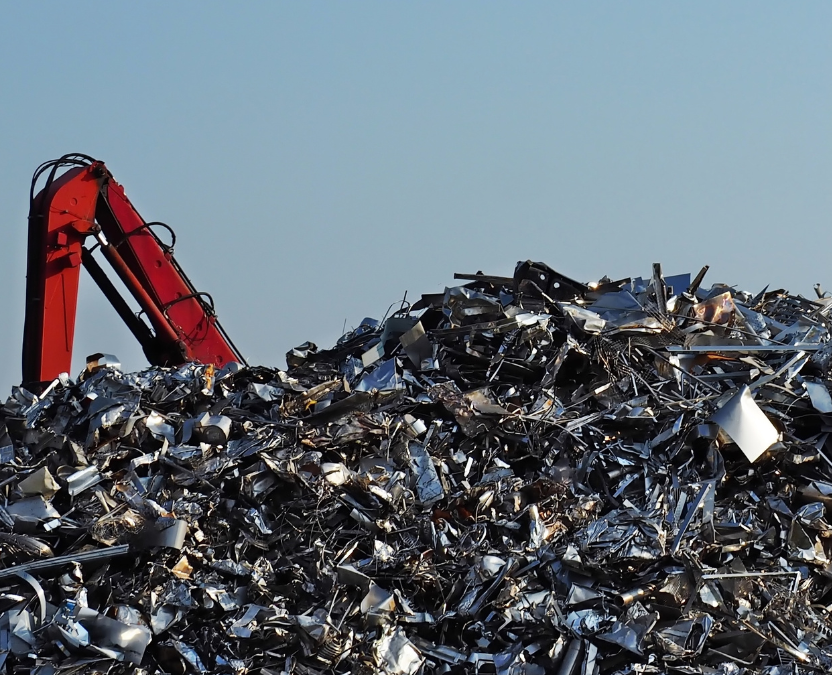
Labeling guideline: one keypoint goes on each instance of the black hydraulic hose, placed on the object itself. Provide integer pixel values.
(147, 226)
(73, 159)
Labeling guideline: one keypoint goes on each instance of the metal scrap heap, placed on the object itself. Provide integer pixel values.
(522, 475)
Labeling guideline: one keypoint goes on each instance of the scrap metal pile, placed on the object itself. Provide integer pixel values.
(522, 475)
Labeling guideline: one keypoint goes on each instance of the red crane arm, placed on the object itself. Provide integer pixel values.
(85, 201)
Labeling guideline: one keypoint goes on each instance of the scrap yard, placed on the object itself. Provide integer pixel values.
(520, 475)
(395, 338)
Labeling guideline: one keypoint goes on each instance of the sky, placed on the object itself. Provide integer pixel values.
(319, 159)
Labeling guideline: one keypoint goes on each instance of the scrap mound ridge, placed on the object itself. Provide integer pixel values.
(520, 475)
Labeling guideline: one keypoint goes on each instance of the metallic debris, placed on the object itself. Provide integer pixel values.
(523, 475)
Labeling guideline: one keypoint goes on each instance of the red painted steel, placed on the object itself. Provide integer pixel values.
(74, 206)
(161, 277)
(54, 266)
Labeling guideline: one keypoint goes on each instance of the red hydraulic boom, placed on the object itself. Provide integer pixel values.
(85, 203)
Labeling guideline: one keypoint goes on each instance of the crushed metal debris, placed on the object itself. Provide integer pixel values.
(523, 475)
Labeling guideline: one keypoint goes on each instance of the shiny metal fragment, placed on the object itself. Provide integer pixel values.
(59, 561)
(741, 418)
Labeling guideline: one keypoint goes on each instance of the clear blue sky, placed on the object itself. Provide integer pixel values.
(319, 159)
